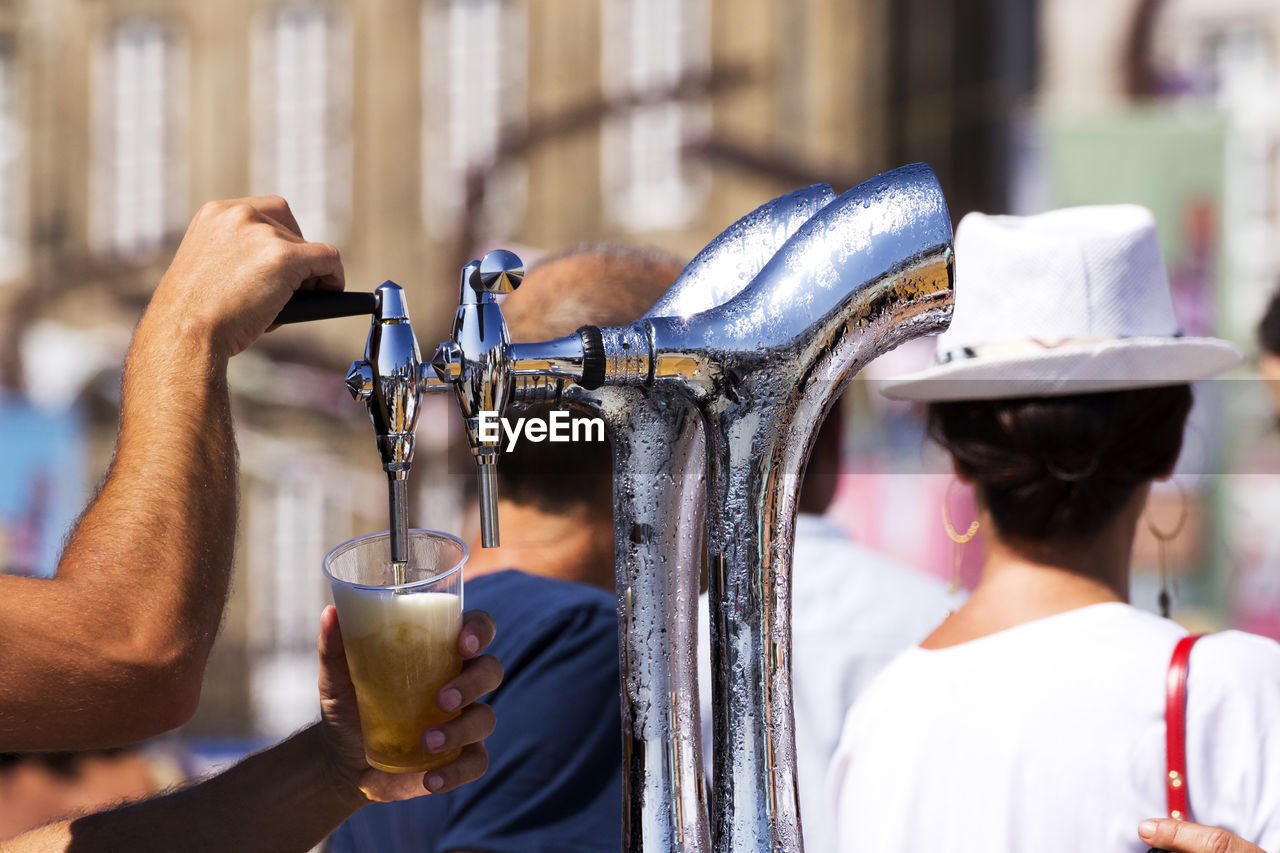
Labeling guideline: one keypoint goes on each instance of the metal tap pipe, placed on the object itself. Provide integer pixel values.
(561, 358)
(482, 367)
(659, 469)
(475, 363)
(869, 271)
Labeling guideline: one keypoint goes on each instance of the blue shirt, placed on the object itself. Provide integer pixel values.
(554, 783)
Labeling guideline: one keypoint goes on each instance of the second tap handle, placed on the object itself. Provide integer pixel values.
(307, 305)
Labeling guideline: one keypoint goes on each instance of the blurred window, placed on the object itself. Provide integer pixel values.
(1231, 60)
(473, 82)
(139, 174)
(1247, 82)
(300, 502)
(654, 52)
(302, 114)
(13, 169)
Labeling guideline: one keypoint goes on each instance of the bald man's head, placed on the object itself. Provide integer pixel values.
(598, 286)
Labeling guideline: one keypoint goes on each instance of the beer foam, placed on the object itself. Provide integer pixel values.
(362, 612)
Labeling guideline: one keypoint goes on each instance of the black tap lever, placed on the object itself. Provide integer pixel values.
(307, 305)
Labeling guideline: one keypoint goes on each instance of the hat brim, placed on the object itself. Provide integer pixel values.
(1117, 365)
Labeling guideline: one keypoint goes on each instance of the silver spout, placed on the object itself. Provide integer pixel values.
(388, 379)
(489, 536)
(477, 363)
(389, 382)
(399, 530)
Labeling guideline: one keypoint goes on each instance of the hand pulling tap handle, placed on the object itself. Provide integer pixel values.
(306, 305)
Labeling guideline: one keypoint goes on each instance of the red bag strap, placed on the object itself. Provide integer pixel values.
(1175, 718)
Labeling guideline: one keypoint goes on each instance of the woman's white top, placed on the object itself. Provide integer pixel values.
(1049, 737)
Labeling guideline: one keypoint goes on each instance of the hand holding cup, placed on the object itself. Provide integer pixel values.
(465, 732)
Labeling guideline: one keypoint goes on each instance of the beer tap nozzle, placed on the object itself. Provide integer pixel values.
(482, 366)
(477, 362)
(387, 380)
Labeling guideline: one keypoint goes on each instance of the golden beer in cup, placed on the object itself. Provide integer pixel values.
(401, 640)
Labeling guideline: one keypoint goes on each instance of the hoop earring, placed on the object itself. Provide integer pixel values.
(1163, 538)
(960, 539)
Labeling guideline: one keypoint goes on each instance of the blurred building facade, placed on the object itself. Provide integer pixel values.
(414, 134)
(1183, 96)
(1201, 57)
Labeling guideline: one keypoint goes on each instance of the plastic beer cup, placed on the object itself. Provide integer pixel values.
(401, 640)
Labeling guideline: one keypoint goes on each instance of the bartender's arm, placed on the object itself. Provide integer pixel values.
(113, 649)
(289, 797)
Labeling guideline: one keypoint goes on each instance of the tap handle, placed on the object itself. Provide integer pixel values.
(307, 305)
(500, 272)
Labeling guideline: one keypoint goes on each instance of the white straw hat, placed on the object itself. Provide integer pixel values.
(1065, 302)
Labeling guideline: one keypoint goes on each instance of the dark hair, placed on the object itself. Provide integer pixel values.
(1269, 328)
(63, 764)
(556, 477)
(1055, 468)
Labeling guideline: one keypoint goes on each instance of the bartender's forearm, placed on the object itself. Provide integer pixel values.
(127, 624)
(164, 524)
(113, 649)
(286, 798)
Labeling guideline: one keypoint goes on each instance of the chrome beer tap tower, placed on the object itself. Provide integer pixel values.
(659, 470)
(712, 401)
(474, 364)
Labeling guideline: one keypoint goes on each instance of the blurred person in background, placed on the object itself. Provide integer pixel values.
(112, 649)
(852, 611)
(555, 778)
(1033, 718)
(288, 797)
(1269, 350)
(39, 787)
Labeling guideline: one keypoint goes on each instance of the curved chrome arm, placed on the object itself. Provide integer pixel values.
(870, 270)
(659, 464)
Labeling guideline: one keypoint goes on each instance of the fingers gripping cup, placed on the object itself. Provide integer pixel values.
(401, 640)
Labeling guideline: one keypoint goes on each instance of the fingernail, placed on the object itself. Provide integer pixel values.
(470, 644)
(435, 783)
(449, 700)
(1147, 829)
(433, 740)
